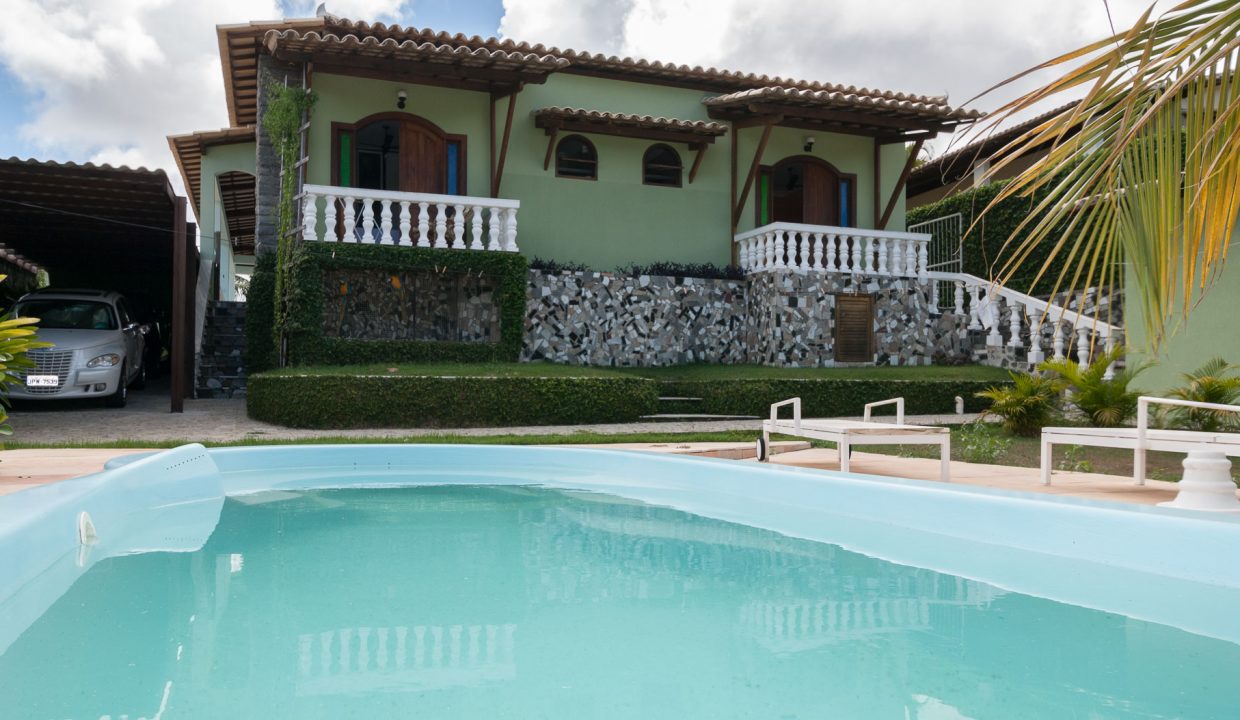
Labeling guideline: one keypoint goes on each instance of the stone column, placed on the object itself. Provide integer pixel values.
(267, 162)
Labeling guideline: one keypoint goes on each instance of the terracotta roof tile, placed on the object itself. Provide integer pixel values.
(703, 127)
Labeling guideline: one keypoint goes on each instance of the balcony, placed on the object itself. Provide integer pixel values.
(385, 217)
(784, 247)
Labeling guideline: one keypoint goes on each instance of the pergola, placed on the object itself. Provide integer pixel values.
(105, 227)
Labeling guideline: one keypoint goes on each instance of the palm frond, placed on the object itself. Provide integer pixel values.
(1152, 177)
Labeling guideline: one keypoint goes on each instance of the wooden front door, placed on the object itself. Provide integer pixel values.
(803, 189)
(854, 328)
(423, 158)
(820, 200)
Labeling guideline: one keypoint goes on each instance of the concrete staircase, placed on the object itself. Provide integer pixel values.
(220, 367)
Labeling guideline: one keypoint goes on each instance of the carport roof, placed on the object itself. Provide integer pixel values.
(66, 216)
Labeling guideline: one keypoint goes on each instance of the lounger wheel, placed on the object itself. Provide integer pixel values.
(763, 451)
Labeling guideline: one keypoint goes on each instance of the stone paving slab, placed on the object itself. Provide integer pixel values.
(147, 419)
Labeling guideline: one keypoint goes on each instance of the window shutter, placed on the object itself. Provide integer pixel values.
(854, 328)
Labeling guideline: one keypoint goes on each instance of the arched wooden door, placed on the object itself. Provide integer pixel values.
(423, 156)
(805, 189)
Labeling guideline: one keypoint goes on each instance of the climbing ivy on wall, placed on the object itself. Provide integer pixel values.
(287, 107)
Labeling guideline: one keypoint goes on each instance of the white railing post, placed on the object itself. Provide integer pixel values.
(817, 251)
(975, 308)
(1014, 324)
(995, 337)
(897, 257)
(493, 229)
(329, 218)
(385, 222)
(1082, 346)
(882, 256)
(1058, 341)
(458, 227)
(510, 234)
(1036, 356)
(779, 250)
(831, 246)
(869, 255)
(855, 241)
(910, 258)
(350, 220)
(475, 243)
(368, 221)
(1110, 346)
(923, 260)
(441, 225)
(424, 225)
(406, 224)
(309, 218)
(959, 298)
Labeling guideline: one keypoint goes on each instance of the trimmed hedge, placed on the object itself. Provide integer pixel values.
(830, 397)
(260, 316)
(983, 251)
(374, 401)
(303, 320)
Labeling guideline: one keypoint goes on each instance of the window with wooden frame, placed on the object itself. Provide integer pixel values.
(853, 336)
(575, 157)
(661, 166)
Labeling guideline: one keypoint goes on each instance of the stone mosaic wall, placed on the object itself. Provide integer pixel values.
(416, 305)
(590, 318)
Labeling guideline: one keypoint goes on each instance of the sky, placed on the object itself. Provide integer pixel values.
(108, 80)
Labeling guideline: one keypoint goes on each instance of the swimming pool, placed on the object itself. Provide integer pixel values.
(465, 581)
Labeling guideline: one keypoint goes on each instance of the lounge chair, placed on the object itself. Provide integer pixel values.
(1143, 438)
(846, 433)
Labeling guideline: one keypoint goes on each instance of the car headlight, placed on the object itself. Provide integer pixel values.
(105, 360)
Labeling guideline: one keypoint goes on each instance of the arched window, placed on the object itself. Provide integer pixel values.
(575, 157)
(661, 166)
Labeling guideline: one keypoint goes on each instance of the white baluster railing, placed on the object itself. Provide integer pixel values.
(998, 309)
(796, 247)
(458, 222)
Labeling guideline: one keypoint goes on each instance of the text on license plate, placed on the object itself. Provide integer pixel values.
(42, 381)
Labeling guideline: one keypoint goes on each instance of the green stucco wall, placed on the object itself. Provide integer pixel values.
(616, 219)
(216, 160)
(1211, 330)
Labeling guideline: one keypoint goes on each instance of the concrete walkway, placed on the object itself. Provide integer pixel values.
(25, 468)
(147, 419)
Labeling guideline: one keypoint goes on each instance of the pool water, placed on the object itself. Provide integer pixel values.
(517, 602)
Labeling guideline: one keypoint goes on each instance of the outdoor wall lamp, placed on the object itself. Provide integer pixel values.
(809, 143)
(401, 97)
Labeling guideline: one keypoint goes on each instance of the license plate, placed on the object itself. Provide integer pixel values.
(42, 381)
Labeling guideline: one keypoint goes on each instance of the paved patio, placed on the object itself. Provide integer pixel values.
(20, 469)
(147, 419)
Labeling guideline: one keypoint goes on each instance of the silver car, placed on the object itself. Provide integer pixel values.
(97, 347)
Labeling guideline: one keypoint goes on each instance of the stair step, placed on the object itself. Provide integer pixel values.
(694, 417)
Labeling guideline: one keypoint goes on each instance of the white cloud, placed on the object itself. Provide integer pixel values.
(954, 47)
(111, 78)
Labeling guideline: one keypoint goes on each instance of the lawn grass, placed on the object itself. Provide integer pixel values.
(670, 373)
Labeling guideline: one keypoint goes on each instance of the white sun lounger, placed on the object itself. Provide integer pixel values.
(846, 433)
(1143, 438)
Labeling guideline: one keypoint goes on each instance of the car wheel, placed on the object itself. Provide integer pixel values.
(139, 382)
(118, 398)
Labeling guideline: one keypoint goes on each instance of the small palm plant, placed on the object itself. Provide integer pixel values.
(16, 339)
(1026, 406)
(1106, 402)
(1211, 383)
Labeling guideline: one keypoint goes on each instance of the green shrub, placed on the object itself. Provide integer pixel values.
(1210, 383)
(980, 442)
(1107, 403)
(260, 314)
(1027, 405)
(826, 397)
(374, 401)
(303, 323)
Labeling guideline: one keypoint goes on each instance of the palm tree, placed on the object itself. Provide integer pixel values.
(1210, 383)
(1153, 175)
(1107, 402)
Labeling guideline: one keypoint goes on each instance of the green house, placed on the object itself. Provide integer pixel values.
(425, 138)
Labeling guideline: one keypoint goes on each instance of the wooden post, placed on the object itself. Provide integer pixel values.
(492, 126)
(697, 161)
(498, 176)
(878, 180)
(552, 133)
(180, 294)
(753, 172)
(900, 183)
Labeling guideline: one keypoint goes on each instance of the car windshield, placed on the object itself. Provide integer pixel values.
(68, 314)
